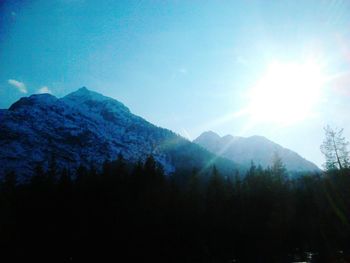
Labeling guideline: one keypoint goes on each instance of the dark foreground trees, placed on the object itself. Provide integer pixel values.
(136, 213)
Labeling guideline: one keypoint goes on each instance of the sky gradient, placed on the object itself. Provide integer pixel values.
(182, 65)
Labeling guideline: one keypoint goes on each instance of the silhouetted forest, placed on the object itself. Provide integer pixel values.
(133, 212)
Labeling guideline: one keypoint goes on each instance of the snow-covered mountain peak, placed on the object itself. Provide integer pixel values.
(210, 135)
(85, 94)
(86, 127)
(261, 150)
(259, 138)
(94, 102)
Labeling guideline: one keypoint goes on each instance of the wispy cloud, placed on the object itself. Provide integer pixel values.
(44, 89)
(20, 86)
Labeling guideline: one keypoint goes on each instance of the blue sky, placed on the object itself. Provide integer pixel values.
(183, 65)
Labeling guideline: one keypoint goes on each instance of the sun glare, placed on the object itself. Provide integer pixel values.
(287, 93)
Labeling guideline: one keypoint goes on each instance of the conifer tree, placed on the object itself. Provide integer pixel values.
(278, 168)
(334, 148)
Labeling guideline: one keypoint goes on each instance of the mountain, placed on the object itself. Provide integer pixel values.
(256, 148)
(85, 128)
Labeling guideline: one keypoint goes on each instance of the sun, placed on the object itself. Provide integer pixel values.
(287, 93)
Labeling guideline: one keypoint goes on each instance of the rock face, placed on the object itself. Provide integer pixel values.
(256, 148)
(85, 127)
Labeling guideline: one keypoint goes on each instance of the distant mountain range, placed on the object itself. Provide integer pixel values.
(256, 148)
(85, 128)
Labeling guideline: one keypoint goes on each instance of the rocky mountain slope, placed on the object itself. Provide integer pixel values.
(87, 128)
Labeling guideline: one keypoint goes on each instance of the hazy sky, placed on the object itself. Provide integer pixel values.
(183, 65)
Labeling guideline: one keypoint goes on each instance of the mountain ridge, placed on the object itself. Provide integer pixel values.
(85, 127)
(255, 148)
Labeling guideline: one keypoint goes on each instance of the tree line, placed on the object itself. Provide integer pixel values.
(135, 212)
